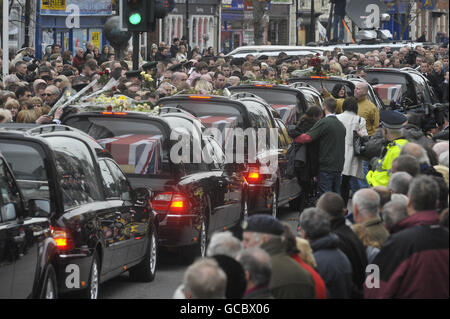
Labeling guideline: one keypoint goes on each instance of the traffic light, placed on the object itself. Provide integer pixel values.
(135, 15)
(159, 9)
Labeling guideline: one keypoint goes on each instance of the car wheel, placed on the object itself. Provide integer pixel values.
(91, 292)
(146, 270)
(274, 204)
(49, 286)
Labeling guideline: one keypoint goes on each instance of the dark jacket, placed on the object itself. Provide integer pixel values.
(304, 161)
(339, 7)
(353, 248)
(414, 261)
(329, 132)
(436, 81)
(414, 134)
(259, 293)
(333, 266)
(289, 280)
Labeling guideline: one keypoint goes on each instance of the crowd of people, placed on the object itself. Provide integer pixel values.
(33, 86)
(387, 207)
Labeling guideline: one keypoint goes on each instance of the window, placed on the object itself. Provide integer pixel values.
(27, 163)
(109, 183)
(123, 186)
(75, 171)
(9, 195)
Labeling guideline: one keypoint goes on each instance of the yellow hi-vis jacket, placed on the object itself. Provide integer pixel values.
(380, 176)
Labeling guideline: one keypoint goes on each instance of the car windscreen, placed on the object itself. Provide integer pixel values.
(209, 111)
(137, 145)
(390, 87)
(271, 96)
(27, 163)
(328, 84)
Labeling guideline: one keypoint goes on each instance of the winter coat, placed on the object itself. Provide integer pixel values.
(305, 158)
(339, 7)
(333, 266)
(376, 230)
(259, 293)
(370, 113)
(415, 134)
(321, 289)
(289, 280)
(414, 261)
(353, 164)
(436, 81)
(375, 145)
(353, 248)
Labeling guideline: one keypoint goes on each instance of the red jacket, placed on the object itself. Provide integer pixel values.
(321, 290)
(414, 261)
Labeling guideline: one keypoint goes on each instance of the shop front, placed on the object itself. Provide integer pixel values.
(70, 23)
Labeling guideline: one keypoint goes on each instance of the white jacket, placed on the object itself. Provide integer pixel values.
(353, 164)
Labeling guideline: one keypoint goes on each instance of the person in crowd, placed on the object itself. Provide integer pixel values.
(353, 172)
(412, 131)
(394, 212)
(204, 279)
(224, 248)
(332, 264)
(258, 271)
(372, 247)
(289, 280)
(381, 168)
(330, 134)
(384, 193)
(366, 208)
(422, 157)
(349, 243)
(79, 59)
(366, 108)
(413, 262)
(406, 163)
(306, 167)
(399, 183)
(294, 252)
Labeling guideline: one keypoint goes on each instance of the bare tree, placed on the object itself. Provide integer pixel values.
(412, 13)
(259, 9)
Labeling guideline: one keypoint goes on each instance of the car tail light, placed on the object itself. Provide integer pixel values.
(63, 238)
(171, 203)
(199, 97)
(253, 176)
(264, 85)
(114, 113)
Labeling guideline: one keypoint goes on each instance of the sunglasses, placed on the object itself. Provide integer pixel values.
(47, 94)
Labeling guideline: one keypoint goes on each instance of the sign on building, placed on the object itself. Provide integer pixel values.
(366, 13)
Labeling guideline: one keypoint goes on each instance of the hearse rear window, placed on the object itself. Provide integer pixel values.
(135, 144)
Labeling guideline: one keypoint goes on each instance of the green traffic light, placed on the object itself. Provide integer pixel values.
(135, 18)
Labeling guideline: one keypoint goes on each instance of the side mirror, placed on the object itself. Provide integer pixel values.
(39, 207)
(143, 195)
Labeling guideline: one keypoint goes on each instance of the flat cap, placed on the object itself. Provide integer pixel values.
(149, 65)
(392, 119)
(133, 73)
(263, 223)
(176, 67)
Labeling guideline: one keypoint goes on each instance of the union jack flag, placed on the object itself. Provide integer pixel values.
(389, 92)
(138, 154)
(287, 112)
(221, 123)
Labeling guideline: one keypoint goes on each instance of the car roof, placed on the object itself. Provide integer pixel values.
(364, 47)
(273, 50)
(39, 132)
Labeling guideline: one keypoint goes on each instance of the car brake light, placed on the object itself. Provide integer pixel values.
(114, 113)
(199, 97)
(319, 77)
(63, 238)
(253, 175)
(264, 85)
(169, 202)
